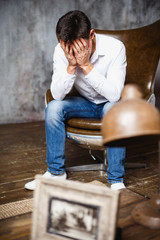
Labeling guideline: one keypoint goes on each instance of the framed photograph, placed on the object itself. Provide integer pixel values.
(65, 210)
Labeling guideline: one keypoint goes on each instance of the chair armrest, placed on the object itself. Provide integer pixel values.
(49, 97)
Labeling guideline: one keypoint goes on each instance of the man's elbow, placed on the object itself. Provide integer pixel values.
(115, 97)
(57, 96)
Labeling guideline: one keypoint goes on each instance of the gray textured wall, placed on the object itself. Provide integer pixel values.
(27, 41)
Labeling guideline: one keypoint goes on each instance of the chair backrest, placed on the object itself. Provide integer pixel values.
(143, 52)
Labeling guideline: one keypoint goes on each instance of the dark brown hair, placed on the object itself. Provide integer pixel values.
(73, 25)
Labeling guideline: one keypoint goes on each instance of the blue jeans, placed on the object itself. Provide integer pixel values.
(57, 112)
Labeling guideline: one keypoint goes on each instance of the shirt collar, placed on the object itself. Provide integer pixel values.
(99, 50)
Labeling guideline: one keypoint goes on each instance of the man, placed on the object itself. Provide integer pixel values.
(96, 66)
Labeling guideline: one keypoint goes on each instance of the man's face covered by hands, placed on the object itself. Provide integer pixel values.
(79, 52)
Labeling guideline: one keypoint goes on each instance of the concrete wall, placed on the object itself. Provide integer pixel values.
(27, 41)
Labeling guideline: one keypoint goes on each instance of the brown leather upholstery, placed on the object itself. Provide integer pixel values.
(143, 52)
(93, 124)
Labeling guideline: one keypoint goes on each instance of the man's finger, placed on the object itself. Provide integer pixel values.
(83, 42)
(90, 44)
(76, 46)
(80, 44)
(71, 51)
(67, 48)
(62, 44)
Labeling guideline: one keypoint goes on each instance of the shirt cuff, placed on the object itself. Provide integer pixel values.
(69, 80)
(95, 79)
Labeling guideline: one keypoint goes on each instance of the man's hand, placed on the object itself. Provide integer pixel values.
(69, 53)
(82, 50)
(78, 54)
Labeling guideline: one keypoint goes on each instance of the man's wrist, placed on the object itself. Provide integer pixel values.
(87, 68)
(71, 69)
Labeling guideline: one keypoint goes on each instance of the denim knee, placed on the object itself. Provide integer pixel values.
(107, 107)
(54, 111)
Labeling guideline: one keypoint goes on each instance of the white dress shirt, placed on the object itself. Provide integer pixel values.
(105, 81)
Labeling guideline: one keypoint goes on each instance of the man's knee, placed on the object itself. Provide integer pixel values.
(54, 110)
(107, 107)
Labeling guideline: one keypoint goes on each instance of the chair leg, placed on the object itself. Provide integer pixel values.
(102, 166)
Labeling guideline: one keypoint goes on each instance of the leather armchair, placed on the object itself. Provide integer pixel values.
(143, 52)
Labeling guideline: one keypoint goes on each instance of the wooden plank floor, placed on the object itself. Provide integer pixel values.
(23, 154)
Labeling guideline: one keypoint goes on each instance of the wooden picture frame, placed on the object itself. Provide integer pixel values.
(65, 210)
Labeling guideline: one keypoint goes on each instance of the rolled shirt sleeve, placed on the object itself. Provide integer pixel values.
(62, 82)
(110, 86)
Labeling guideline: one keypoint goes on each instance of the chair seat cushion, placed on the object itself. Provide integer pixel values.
(81, 131)
(85, 123)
